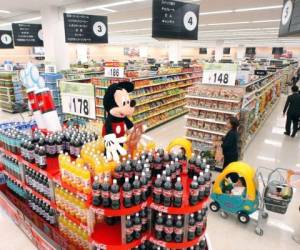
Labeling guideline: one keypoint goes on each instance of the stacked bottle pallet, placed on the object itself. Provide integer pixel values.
(12, 95)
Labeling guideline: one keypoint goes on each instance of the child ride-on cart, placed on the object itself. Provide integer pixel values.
(274, 194)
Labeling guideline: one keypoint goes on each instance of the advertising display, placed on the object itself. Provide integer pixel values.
(174, 19)
(85, 28)
(27, 34)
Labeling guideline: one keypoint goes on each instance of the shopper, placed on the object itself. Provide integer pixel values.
(230, 142)
(292, 108)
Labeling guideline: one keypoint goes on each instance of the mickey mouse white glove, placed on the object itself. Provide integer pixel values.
(113, 147)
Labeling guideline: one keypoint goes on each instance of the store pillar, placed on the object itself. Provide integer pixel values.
(240, 52)
(56, 50)
(174, 51)
(219, 50)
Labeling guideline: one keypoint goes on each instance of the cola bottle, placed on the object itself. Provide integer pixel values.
(159, 226)
(137, 226)
(144, 186)
(166, 158)
(72, 146)
(105, 193)
(118, 173)
(138, 168)
(115, 195)
(51, 147)
(173, 171)
(127, 193)
(42, 158)
(194, 191)
(207, 176)
(178, 167)
(203, 244)
(23, 148)
(129, 230)
(197, 167)
(192, 228)
(30, 150)
(191, 165)
(59, 145)
(144, 220)
(157, 190)
(168, 229)
(178, 193)
(36, 154)
(149, 180)
(96, 192)
(136, 191)
(157, 165)
(167, 192)
(67, 139)
(160, 151)
(128, 170)
(167, 170)
(201, 182)
(203, 165)
(178, 229)
(199, 223)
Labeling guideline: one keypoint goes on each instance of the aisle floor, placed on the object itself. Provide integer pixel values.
(270, 148)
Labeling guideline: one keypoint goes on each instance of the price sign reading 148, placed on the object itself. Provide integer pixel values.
(218, 73)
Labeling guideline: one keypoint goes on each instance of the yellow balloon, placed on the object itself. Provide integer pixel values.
(183, 143)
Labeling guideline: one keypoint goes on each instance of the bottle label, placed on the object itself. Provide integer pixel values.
(167, 193)
(178, 230)
(168, 230)
(159, 228)
(192, 229)
(137, 227)
(76, 151)
(42, 160)
(59, 148)
(144, 221)
(137, 191)
(96, 192)
(199, 224)
(178, 194)
(67, 145)
(191, 167)
(118, 175)
(105, 194)
(51, 149)
(202, 188)
(30, 154)
(127, 194)
(157, 166)
(129, 230)
(144, 188)
(157, 190)
(115, 196)
(194, 192)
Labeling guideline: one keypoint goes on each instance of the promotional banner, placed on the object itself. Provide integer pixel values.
(174, 19)
(6, 39)
(27, 34)
(220, 73)
(85, 28)
(290, 18)
(78, 99)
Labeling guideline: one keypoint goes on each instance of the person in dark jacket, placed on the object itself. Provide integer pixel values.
(230, 142)
(292, 108)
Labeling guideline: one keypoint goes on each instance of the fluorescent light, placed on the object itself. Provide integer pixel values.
(266, 21)
(106, 9)
(215, 12)
(21, 21)
(5, 11)
(131, 21)
(217, 24)
(132, 30)
(259, 8)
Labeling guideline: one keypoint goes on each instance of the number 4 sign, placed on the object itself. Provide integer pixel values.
(220, 73)
(78, 99)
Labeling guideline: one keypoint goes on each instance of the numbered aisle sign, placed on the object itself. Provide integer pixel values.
(6, 39)
(114, 69)
(220, 73)
(78, 99)
(85, 28)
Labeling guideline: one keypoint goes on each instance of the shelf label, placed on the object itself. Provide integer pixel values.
(220, 73)
(78, 99)
(117, 72)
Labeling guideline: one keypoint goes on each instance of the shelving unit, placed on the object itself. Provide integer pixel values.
(155, 95)
(12, 94)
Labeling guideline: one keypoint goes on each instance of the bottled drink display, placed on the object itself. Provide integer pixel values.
(11, 165)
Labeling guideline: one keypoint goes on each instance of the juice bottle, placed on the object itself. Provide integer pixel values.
(99, 170)
(86, 179)
(78, 184)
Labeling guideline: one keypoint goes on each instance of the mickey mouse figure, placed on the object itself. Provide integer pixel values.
(118, 106)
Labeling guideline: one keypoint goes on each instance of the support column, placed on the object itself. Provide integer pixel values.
(240, 52)
(56, 50)
(174, 51)
(219, 50)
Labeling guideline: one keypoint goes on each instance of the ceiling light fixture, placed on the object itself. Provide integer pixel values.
(215, 12)
(266, 21)
(259, 8)
(108, 10)
(5, 11)
(21, 21)
(217, 24)
(131, 21)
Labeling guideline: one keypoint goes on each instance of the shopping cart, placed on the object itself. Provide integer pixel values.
(270, 182)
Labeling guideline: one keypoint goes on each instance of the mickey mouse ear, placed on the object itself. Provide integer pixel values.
(129, 86)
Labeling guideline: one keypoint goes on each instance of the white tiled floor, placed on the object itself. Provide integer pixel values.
(270, 148)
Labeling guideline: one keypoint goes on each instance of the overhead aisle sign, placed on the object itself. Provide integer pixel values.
(6, 39)
(85, 28)
(290, 18)
(78, 99)
(174, 19)
(27, 34)
(220, 73)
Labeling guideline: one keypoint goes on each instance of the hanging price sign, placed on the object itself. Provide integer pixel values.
(114, 69)
(220, 73)
(78, 99)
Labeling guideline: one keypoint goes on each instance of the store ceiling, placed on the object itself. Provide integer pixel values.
(130, 20)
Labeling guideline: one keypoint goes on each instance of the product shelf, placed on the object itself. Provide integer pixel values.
(214, 110)
(206, 120)
(72, 218)
(175, 245)
(198, 140)
(109, 237)
(206, 131)
(186, 208)
(213, 99)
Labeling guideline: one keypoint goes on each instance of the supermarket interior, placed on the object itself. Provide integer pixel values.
(150, 125)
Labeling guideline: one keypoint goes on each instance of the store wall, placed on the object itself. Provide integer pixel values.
(17, 55)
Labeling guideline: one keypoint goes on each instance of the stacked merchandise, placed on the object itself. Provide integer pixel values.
(210, 106)
(12, 94)
(83, 72)
(159, 98)
(51, 82)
